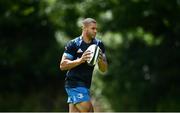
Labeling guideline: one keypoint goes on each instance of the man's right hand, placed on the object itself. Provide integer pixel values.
(85, 56)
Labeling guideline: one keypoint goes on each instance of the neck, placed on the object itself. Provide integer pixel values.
(86, 39)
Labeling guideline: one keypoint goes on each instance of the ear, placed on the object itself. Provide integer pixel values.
(82, 27)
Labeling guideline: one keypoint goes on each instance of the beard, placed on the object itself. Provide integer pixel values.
(91, 35)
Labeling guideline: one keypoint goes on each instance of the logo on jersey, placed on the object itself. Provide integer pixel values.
(80, 95)
(79, 51)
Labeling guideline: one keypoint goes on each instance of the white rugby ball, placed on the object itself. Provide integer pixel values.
(94, 49)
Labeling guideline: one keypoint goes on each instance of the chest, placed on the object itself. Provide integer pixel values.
(81, 49)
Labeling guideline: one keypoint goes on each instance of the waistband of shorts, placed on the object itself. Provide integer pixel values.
(75, 84)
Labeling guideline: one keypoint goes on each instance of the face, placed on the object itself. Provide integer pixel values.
(91, 30)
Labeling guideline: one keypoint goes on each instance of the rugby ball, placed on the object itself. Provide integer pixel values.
(94, 49)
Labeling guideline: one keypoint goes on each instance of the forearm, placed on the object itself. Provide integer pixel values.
(68, 64)
(102, 64)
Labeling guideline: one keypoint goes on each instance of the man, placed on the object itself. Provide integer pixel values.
(79, 75)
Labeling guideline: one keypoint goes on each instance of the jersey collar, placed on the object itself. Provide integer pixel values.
(93, 41)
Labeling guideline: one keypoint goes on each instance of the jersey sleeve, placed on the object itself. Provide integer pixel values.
(69, 51)
(101, 45)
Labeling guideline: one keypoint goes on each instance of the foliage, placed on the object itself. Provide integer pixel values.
(30, 78)
(141, 39)
(144, 76)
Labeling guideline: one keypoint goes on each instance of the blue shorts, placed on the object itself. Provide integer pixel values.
(77, 94)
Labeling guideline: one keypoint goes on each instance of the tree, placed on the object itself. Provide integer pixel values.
(141, 38)
(30, 77)
(143, 70)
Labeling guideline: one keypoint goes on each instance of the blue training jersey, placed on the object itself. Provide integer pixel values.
(80, 75)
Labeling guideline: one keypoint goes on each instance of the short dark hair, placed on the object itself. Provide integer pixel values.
(87, 21)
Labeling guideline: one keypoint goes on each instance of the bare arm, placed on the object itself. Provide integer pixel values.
(102, 62)
(67, 64)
